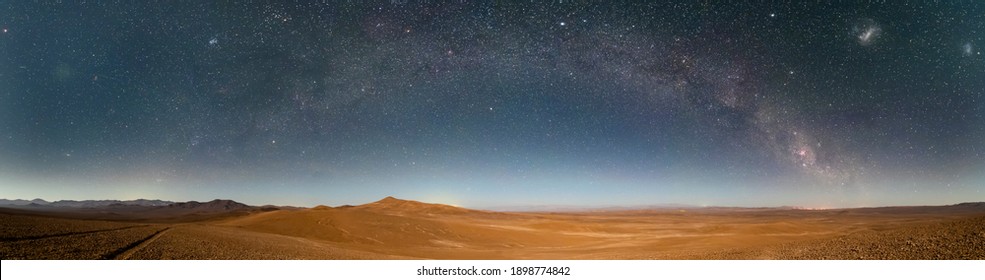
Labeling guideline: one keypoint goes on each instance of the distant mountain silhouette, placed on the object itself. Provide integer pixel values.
(576, 208)
(214, 205)
(105, 203)
(980, 205)
(37, 202)
(22, 202)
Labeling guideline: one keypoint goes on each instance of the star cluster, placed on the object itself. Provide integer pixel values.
(490, 104)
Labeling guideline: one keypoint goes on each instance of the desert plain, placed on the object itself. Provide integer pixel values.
(393, 228)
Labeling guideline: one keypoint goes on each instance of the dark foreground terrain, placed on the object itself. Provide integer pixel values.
(401, 229)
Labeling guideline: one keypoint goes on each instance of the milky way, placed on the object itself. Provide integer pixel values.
(492, 104)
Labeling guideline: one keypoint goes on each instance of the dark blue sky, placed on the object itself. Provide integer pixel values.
(484, 104)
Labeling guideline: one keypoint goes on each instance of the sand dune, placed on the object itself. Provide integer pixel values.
(402, 229)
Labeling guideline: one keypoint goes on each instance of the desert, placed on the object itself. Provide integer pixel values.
(394, 228)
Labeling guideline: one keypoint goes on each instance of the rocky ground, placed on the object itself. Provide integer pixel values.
(961, 239)
(86, 246)
(205, 242)
(21, 227)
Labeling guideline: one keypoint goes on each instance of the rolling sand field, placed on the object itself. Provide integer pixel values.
(401, 229)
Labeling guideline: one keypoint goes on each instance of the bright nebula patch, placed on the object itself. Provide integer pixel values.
(866, 32)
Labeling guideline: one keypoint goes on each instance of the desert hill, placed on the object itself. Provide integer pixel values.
(397, 206)
(398, 225)
(321, 207)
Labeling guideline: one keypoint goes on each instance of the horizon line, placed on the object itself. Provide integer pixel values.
(529, 207)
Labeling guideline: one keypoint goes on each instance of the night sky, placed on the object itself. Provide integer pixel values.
(493, 103)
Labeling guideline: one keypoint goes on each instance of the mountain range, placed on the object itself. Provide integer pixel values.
(84, 203)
